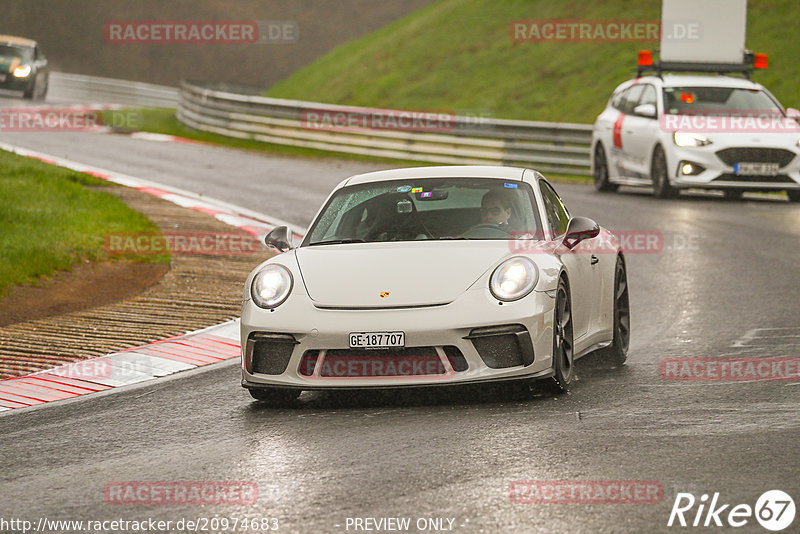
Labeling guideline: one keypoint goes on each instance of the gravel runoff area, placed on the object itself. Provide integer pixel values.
(198, 290)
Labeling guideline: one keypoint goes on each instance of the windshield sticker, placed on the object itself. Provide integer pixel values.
(404, 189)
(510, 186)
(417, 190)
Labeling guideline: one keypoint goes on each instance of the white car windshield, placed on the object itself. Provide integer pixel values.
(427, 209)
(718, 101)
(24, 53)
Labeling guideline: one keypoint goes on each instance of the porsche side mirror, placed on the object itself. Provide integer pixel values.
(793, 113)
(645, 110)
(579, 229)
(280, 238)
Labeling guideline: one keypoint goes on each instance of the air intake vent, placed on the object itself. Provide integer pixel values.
(268, 353)
(503, 346)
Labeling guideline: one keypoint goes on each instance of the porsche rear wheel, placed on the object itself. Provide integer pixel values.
(616, 353)
(563, 348)
(274, 396)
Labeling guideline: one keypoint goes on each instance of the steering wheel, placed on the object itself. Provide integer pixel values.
(485, 226)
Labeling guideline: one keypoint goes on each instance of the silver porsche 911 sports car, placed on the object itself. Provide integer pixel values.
(434, 276)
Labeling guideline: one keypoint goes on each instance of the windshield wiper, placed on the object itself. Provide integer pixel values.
(338, 241)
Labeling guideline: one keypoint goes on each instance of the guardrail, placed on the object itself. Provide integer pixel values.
(94, 90)
(546, 146)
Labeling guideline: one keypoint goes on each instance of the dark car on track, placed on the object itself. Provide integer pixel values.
(23, 67)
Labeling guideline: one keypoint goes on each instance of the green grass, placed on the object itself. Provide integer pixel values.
(457, 55)
(50, 220)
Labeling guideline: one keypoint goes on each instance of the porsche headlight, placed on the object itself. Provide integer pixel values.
(513, 279)
(23, 71)
(271, 286)
(690, 139)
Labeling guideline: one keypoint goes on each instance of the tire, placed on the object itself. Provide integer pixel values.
(600, 173)
(615, 354)
(794, 195)
(660, 176)
(563, 342)
(30, 93)
(275, 396)
(733, 194)
(43, 93)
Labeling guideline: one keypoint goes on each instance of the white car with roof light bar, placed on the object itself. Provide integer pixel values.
(680, 131)
(434, 276)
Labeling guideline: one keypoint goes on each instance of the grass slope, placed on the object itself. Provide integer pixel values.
(458, 55)
(50, 220)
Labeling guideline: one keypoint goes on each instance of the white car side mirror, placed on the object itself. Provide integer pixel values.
(645, 110)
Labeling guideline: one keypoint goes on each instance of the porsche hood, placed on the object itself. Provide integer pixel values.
(388, 275)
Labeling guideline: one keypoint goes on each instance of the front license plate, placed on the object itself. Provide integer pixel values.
(377, 340)
(758, 169)
(2, 77)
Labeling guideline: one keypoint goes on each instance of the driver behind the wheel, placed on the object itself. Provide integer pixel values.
(496, 208)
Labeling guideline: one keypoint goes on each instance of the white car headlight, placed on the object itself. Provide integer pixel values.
(23, 71)
(271, 286)
(690, 139)
(513, 279)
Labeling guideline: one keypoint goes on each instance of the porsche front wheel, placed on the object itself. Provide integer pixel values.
(563, 348)
(616, 353)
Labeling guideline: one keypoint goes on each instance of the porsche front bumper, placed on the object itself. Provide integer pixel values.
(473, 339)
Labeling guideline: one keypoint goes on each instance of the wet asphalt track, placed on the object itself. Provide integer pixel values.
(727, 268)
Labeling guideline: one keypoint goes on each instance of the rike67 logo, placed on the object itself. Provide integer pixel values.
(774, 510)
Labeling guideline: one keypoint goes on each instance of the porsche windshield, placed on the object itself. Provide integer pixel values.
(427, 209)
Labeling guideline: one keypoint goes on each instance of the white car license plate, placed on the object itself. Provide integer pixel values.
(750, 169)
(2, 77)
(377, 340)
